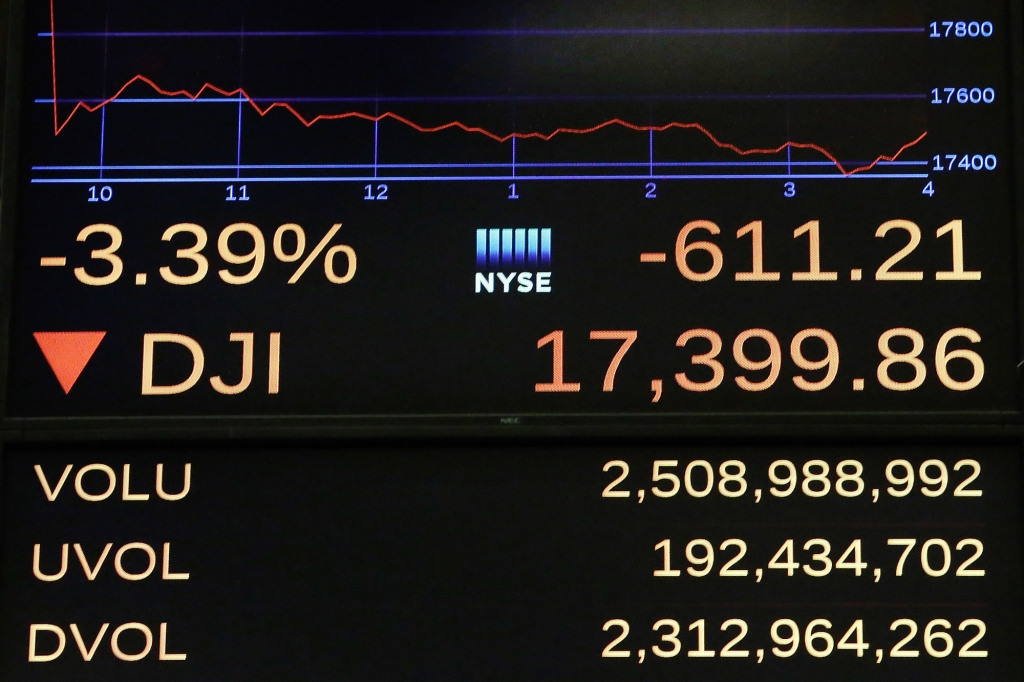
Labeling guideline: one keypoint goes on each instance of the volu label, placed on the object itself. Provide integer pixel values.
(102, 483)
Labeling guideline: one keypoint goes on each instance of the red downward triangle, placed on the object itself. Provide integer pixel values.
(68, 353)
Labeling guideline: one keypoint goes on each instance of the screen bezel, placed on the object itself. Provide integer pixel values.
(736, 424)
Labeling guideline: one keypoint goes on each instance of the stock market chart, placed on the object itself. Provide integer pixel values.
(529, 340)
(566, 210)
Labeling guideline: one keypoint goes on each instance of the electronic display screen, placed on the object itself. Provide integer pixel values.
(449, 562)
(510, 209)
(546, 340)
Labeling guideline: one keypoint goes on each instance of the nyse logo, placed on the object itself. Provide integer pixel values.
(510, 261)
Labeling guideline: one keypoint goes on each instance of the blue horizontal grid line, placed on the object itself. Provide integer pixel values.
(482, 178)
(506, 98)
(429, 166)
(491, 33)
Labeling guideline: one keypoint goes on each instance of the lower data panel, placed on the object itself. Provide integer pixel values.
(541, 562)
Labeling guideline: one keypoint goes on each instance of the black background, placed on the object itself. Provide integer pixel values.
(486, 561)
(408, 336)
(490, 563)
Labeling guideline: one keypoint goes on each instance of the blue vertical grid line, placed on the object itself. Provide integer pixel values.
(103, 138)
(651, 155)
(545, 246)
(532, 237)
(238, 156)
(520, 246)
(494, 248)
(506, 247)
(481, 248)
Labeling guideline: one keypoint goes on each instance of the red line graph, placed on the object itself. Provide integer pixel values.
(59, 126)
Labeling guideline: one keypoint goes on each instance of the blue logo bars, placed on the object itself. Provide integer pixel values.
(497, 248)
